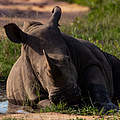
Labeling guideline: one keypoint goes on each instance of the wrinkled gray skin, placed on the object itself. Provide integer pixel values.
(57, 67)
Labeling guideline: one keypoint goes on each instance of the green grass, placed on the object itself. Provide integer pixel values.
(12, 119)
(85, 110)
(9, 52)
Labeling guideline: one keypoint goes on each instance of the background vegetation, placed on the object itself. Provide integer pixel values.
(9, 52)
(89, 3)
(101, 26)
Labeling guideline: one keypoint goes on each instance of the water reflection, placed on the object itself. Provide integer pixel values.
(16, 109)
(6, 107)
(3, 98)
(3, 106)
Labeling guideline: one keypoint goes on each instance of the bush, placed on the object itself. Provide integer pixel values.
(101, 26)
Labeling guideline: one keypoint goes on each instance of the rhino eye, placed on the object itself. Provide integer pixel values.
(37, 73)
(69, 59)
(56, 72)
(66, 59)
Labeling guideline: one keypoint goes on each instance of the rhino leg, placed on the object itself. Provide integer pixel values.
(97, 88)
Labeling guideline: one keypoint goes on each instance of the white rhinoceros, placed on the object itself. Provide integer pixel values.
(58, 67)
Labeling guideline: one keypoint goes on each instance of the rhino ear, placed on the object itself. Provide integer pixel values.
(14, 33)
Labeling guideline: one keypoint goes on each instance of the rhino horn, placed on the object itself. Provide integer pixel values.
(56, 14)
(49, 61)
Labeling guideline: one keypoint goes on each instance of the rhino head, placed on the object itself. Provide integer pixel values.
(46, 51)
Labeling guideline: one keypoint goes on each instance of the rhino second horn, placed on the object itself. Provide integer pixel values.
(56, 15)
(47, 58)
(45, 54)
(49, 61)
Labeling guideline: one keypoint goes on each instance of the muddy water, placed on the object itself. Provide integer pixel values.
(3, 98)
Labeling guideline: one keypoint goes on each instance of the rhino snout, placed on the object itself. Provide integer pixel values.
(65, 95)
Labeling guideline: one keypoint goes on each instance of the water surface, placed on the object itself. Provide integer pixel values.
(3, 98)
(5, 107)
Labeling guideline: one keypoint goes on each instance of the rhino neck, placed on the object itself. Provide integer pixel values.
(65, 94)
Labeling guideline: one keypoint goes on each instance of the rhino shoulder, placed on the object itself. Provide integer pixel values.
(14, 82)
(16, 68)
(76, 43)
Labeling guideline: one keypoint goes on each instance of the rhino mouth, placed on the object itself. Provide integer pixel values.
(70, 96)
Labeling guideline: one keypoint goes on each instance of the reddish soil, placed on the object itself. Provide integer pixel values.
(53, 116)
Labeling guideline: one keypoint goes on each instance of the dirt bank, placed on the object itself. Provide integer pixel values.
(52, 116)
(25, 10)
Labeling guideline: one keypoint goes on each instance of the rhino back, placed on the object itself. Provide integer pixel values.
(85, 54)
(80, 53)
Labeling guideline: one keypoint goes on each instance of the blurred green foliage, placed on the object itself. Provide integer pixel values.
(101, 26)
(9, 52)
(90, 3)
